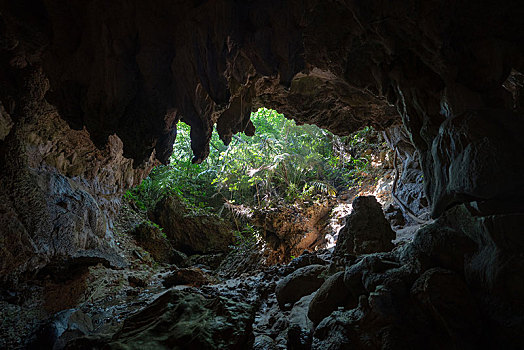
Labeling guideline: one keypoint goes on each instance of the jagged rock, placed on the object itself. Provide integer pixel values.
(372, 270)
(67, 192)
(334, 332)
(240, 261)
(207, 261)
(183, 320)
(289, 230)
(444, 296)
(410, 184)
(303, 281)
(154, 241)
(192, 233)
(300, 329)
(493, 269)
(93, 101)
(264, 342)
(394, 215)
(306, 259)
(190, 276)
(467, 158)
(64, 222)
(444, 247)
(59, 329)
(384, 317)
(6, 123)
(366, 230)
(137, 281)
(332, 294)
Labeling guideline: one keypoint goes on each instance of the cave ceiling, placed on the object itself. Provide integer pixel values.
(134, 68)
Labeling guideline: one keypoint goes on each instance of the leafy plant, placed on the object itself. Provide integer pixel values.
(282, 161)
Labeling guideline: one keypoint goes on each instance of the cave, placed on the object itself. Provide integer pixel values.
(90, 96)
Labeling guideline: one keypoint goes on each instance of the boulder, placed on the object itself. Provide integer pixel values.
(334, 332)
(442, 246)
(444, 296)
(366, 230)
(332, 294)
(300, 329)
(302, 282)
(190, 276)
(192, 233)
(152, 238)
(182, 319)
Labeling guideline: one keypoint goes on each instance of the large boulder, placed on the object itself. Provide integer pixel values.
(444, 296)
(182, 319)
(332, 294)
(302, 282)
(438, 245)
(300, 328)
(189, 232)
(152, 238)
(366, 230)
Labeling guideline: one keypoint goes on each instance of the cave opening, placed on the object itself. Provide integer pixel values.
(234, 253)
(299, 174)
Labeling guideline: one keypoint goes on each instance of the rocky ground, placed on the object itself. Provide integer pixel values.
(188, 282)
(233, 297)
(90, 95)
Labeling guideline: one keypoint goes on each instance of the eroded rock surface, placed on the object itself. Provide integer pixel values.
(332, 294)
(289, 230)
(366, 229)
(192, 233)
(90, 93)
(181, 320)
(301, 282)
(154, 241)
(445, 296)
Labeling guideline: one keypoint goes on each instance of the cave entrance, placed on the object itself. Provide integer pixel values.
(286, 189)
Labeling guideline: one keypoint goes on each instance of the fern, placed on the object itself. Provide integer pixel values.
(320, 187)
(276, 163)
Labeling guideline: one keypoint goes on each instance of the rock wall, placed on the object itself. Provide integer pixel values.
(410, 184)
(58, 191)
(90, 94)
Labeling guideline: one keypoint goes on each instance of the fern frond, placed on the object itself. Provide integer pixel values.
(323, 187)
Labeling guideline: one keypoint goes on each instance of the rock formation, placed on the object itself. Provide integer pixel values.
(90, 94)
(366, 229)
(197, 233)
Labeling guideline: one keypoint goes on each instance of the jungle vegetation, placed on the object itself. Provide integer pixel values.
(282, 162)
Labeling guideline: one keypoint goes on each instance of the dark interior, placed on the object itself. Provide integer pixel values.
(91, 91)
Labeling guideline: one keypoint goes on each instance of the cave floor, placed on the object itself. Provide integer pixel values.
(57, 306)
(95, 300)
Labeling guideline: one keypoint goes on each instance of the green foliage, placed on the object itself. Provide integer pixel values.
(282, 161)
(246, 237)
(143, 231)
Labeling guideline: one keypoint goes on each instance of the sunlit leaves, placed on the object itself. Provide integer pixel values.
(282, 160)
